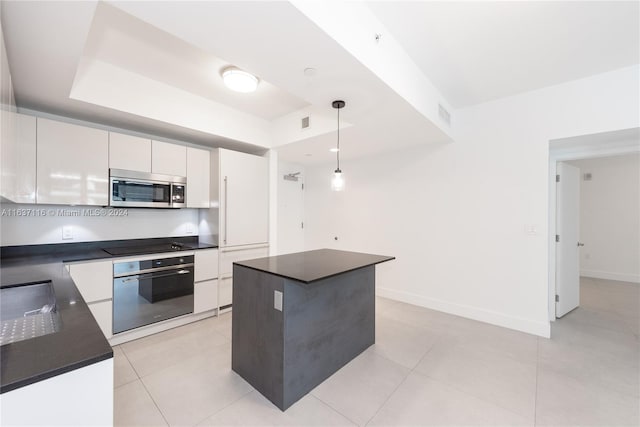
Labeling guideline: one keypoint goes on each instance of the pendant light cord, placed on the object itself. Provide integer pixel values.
(338, 152)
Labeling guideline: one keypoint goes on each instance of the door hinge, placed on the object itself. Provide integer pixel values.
(557, 298)
(557, 178)
(302, 224)
(303, 185)
(557, 237)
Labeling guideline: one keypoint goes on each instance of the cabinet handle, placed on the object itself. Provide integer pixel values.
(243, 248)
(225, 210)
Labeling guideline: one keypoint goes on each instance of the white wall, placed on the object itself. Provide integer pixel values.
(457, 215)
(610, 218)
(290, 234)
(136, 224)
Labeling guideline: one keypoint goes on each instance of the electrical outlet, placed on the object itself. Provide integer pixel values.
(188, 229)
(277, 300)
(67, 232)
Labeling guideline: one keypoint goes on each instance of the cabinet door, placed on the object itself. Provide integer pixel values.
(198, 177)
(228, 257)
(206, 264)
(72, 164)
(129, 152)
(94, 280)
(205, 296)
(18, 156)
(244, 204)
(225, 291)
(168, 159)
(103, 313)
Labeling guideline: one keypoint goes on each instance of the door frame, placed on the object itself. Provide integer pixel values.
(588, 150)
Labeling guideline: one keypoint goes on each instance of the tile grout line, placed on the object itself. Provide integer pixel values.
(144, 386)
(154, 402)
(226, 406)
(403, 379)
(331, 408)
(482, 399)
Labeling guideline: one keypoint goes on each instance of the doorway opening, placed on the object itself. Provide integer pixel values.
(571, 165)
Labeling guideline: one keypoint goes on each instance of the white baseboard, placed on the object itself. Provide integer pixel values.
(542, 329)
(633, 278)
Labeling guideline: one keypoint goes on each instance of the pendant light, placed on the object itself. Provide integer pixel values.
(337, 183)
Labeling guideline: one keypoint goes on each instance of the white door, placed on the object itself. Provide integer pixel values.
(290, 211)
(568, 236)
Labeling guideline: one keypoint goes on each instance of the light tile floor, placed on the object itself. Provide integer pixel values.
(426, 368)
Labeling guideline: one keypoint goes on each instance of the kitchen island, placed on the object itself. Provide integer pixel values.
(300, 317)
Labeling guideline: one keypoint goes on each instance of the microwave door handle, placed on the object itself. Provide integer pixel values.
(155, 275)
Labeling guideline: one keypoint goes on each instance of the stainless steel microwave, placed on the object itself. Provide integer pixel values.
(146, 190)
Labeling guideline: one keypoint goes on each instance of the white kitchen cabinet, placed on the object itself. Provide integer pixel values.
(206, 264)
(225, 291)
(244, 198)
(72, 164)
(168, 159)
(230, 255)
(103, 313)
(205, 292)
(18, 154)
(80, 397)
(198, 178)
(93, 279)
(129, 152)
(205, 296)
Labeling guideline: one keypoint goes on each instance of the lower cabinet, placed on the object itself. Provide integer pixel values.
(225, 291)
(103, 313)
(94, 280)
(228, 256)
(81, 397)
(205, 296)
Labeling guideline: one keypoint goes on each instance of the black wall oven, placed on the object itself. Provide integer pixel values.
(152, 290)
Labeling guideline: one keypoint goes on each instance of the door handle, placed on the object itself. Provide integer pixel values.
(580, 244)
(226, 210)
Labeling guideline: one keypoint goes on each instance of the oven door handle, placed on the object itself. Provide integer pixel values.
(154, 275)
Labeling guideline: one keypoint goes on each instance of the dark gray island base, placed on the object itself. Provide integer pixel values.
(298, 318)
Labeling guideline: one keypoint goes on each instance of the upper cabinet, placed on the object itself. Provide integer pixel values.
(18, 157)
(198, 178)
(244, 198)
(129, 152)
(168, 159)
(72, 164)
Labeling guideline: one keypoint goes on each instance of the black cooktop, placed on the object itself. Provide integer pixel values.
(147, 249)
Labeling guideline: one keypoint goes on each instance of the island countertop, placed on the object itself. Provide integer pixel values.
(311, 266)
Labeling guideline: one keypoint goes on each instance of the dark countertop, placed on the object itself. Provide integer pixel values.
(79, 342)
(311, 266)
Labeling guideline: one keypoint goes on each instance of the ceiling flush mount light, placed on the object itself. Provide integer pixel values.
(239, 80)
(337, 183)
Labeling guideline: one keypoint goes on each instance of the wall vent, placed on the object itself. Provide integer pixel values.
(444, 114)
(305, 122)
(587, 176)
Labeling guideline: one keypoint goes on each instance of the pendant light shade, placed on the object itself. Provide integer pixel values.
(337, 183)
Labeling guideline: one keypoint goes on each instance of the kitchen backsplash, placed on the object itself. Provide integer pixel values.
(40, 224)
